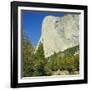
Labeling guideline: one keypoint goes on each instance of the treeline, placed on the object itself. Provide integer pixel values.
(37, 65)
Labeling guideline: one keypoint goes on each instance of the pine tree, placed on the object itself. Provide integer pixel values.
(39, 61)
(27, 53)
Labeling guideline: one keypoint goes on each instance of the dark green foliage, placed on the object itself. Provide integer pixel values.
(40, 53)
(71, 51)
(27, 51)
(35, 64)
(70, 64)
(53, 62)
(39, 61)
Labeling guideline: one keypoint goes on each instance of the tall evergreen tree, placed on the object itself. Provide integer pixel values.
(40, 61)
(27, 53)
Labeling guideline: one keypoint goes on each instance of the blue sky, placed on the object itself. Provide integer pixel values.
(32, 23)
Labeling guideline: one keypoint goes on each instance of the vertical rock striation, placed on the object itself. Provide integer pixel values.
(59, 33)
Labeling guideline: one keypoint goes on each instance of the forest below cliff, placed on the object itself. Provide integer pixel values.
(35, 64)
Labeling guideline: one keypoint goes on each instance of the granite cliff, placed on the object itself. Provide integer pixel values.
(59, 33)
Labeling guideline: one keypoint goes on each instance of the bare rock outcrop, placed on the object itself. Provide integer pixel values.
(59, 33)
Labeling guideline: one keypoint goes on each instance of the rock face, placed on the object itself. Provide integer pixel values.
(59, 33)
